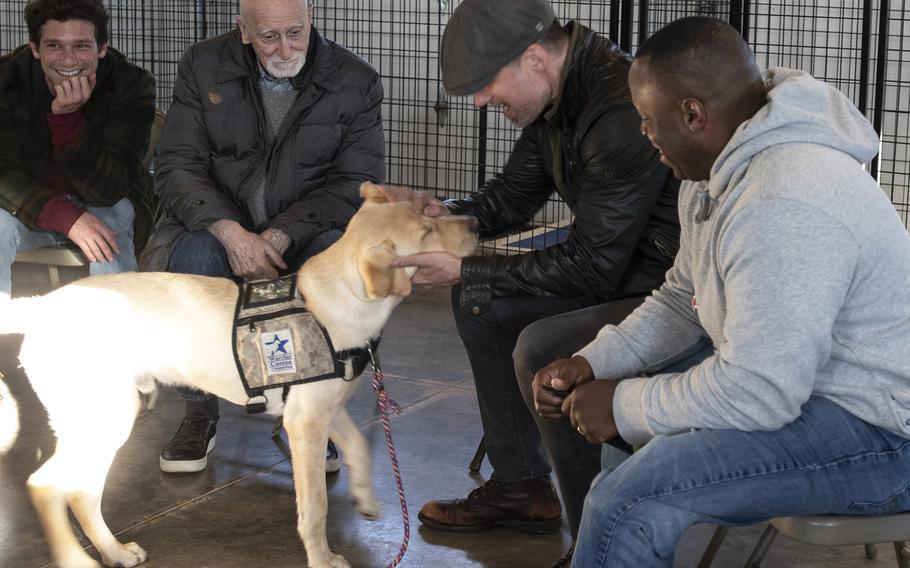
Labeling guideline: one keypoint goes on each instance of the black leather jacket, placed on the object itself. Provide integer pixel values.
(216, 140)
(589, 148)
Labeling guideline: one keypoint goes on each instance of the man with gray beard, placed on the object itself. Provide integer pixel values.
(271, 131)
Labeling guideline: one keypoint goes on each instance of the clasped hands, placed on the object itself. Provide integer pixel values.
(252, 256)
(588, 404)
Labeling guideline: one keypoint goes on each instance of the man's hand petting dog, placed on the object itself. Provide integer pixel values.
(561, 376)
(433, 268)
(429, 205)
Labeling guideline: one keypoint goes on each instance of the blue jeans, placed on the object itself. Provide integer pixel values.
(16, 237)
(201, 253)
(826, 461)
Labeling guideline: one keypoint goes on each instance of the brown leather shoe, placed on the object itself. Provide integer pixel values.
(530, 506)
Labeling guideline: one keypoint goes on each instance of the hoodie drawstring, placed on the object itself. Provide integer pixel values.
(706, 205)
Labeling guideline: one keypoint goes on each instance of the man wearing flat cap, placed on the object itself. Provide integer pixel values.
(566, 88)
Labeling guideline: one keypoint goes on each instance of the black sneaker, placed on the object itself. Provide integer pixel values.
(188, 451)
(332, 461)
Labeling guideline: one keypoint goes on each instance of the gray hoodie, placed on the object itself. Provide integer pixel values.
(794, 264)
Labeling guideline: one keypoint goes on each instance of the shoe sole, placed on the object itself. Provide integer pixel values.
(333, 466)
(528, 527)
(187, 466)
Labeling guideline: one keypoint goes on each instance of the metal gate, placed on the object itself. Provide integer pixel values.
(444, 145)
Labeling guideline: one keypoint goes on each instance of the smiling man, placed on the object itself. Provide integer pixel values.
(75, 118)
(791, 278)
(566, 88)
(271, 131)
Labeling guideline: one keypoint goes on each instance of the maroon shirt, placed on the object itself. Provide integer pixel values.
(60, 213)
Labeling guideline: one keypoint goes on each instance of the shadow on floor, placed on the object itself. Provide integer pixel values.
(240, 511)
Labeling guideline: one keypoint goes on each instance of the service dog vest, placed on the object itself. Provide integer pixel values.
(278, 342)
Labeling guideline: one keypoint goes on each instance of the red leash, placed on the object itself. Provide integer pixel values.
(385, 404)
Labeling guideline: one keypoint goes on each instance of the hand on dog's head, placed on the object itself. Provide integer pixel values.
(399, 227)
(421, 201)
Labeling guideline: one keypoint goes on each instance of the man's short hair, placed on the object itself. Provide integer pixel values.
(38, 12)
(555, 38)
(684, 42)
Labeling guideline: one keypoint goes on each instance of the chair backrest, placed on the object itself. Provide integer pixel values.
(157, 126)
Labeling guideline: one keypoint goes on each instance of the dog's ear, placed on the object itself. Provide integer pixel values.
(380, 278)
(372, 192)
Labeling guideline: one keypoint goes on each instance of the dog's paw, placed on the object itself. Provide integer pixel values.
(127, 556)
(368, 507)
(86, 562)
(332, 561)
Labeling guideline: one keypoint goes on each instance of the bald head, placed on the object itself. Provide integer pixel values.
(694, 82)
(704, 58)
(252, 7)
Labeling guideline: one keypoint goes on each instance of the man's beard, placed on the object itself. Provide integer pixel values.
(281, 69)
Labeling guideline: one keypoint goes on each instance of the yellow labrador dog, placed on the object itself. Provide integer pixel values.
(114, 336)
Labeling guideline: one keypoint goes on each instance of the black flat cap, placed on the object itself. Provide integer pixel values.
(482, 36)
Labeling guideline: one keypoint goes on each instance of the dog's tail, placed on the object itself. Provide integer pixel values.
(9, 418)
(14, 314)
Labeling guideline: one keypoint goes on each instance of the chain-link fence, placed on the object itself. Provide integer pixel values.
(445, 145)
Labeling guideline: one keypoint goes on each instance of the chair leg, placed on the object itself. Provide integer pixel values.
(903, 554)
(871, 551)
(713, 546)
(474, 467)
(761, 549)
(55, 276)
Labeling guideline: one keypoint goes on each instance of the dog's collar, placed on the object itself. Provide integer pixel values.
(359, 356)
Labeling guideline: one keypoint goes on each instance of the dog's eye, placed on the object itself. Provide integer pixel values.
(425, 231)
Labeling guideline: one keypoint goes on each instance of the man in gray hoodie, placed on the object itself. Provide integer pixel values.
(794, 265)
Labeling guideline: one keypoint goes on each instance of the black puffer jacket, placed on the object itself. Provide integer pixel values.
(216, 144)
(589, 148)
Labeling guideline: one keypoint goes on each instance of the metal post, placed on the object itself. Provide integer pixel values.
(747, 15)
(865, 57)
(625, 26)
(202, 30)
(881, 71)
(736, 15)
(614, 21)
(482, 146)
(643, 12)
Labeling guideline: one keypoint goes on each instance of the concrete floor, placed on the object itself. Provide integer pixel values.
(240, 511)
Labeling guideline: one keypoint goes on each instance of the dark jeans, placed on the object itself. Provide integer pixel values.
(201, 253)
(576, 461)
(512, 440)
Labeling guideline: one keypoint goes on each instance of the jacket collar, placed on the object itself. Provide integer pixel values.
(237, 61)
(579, 40)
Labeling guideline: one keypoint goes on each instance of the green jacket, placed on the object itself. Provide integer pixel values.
(103, 164)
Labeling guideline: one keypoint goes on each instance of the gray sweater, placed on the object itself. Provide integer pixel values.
(799, 275)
